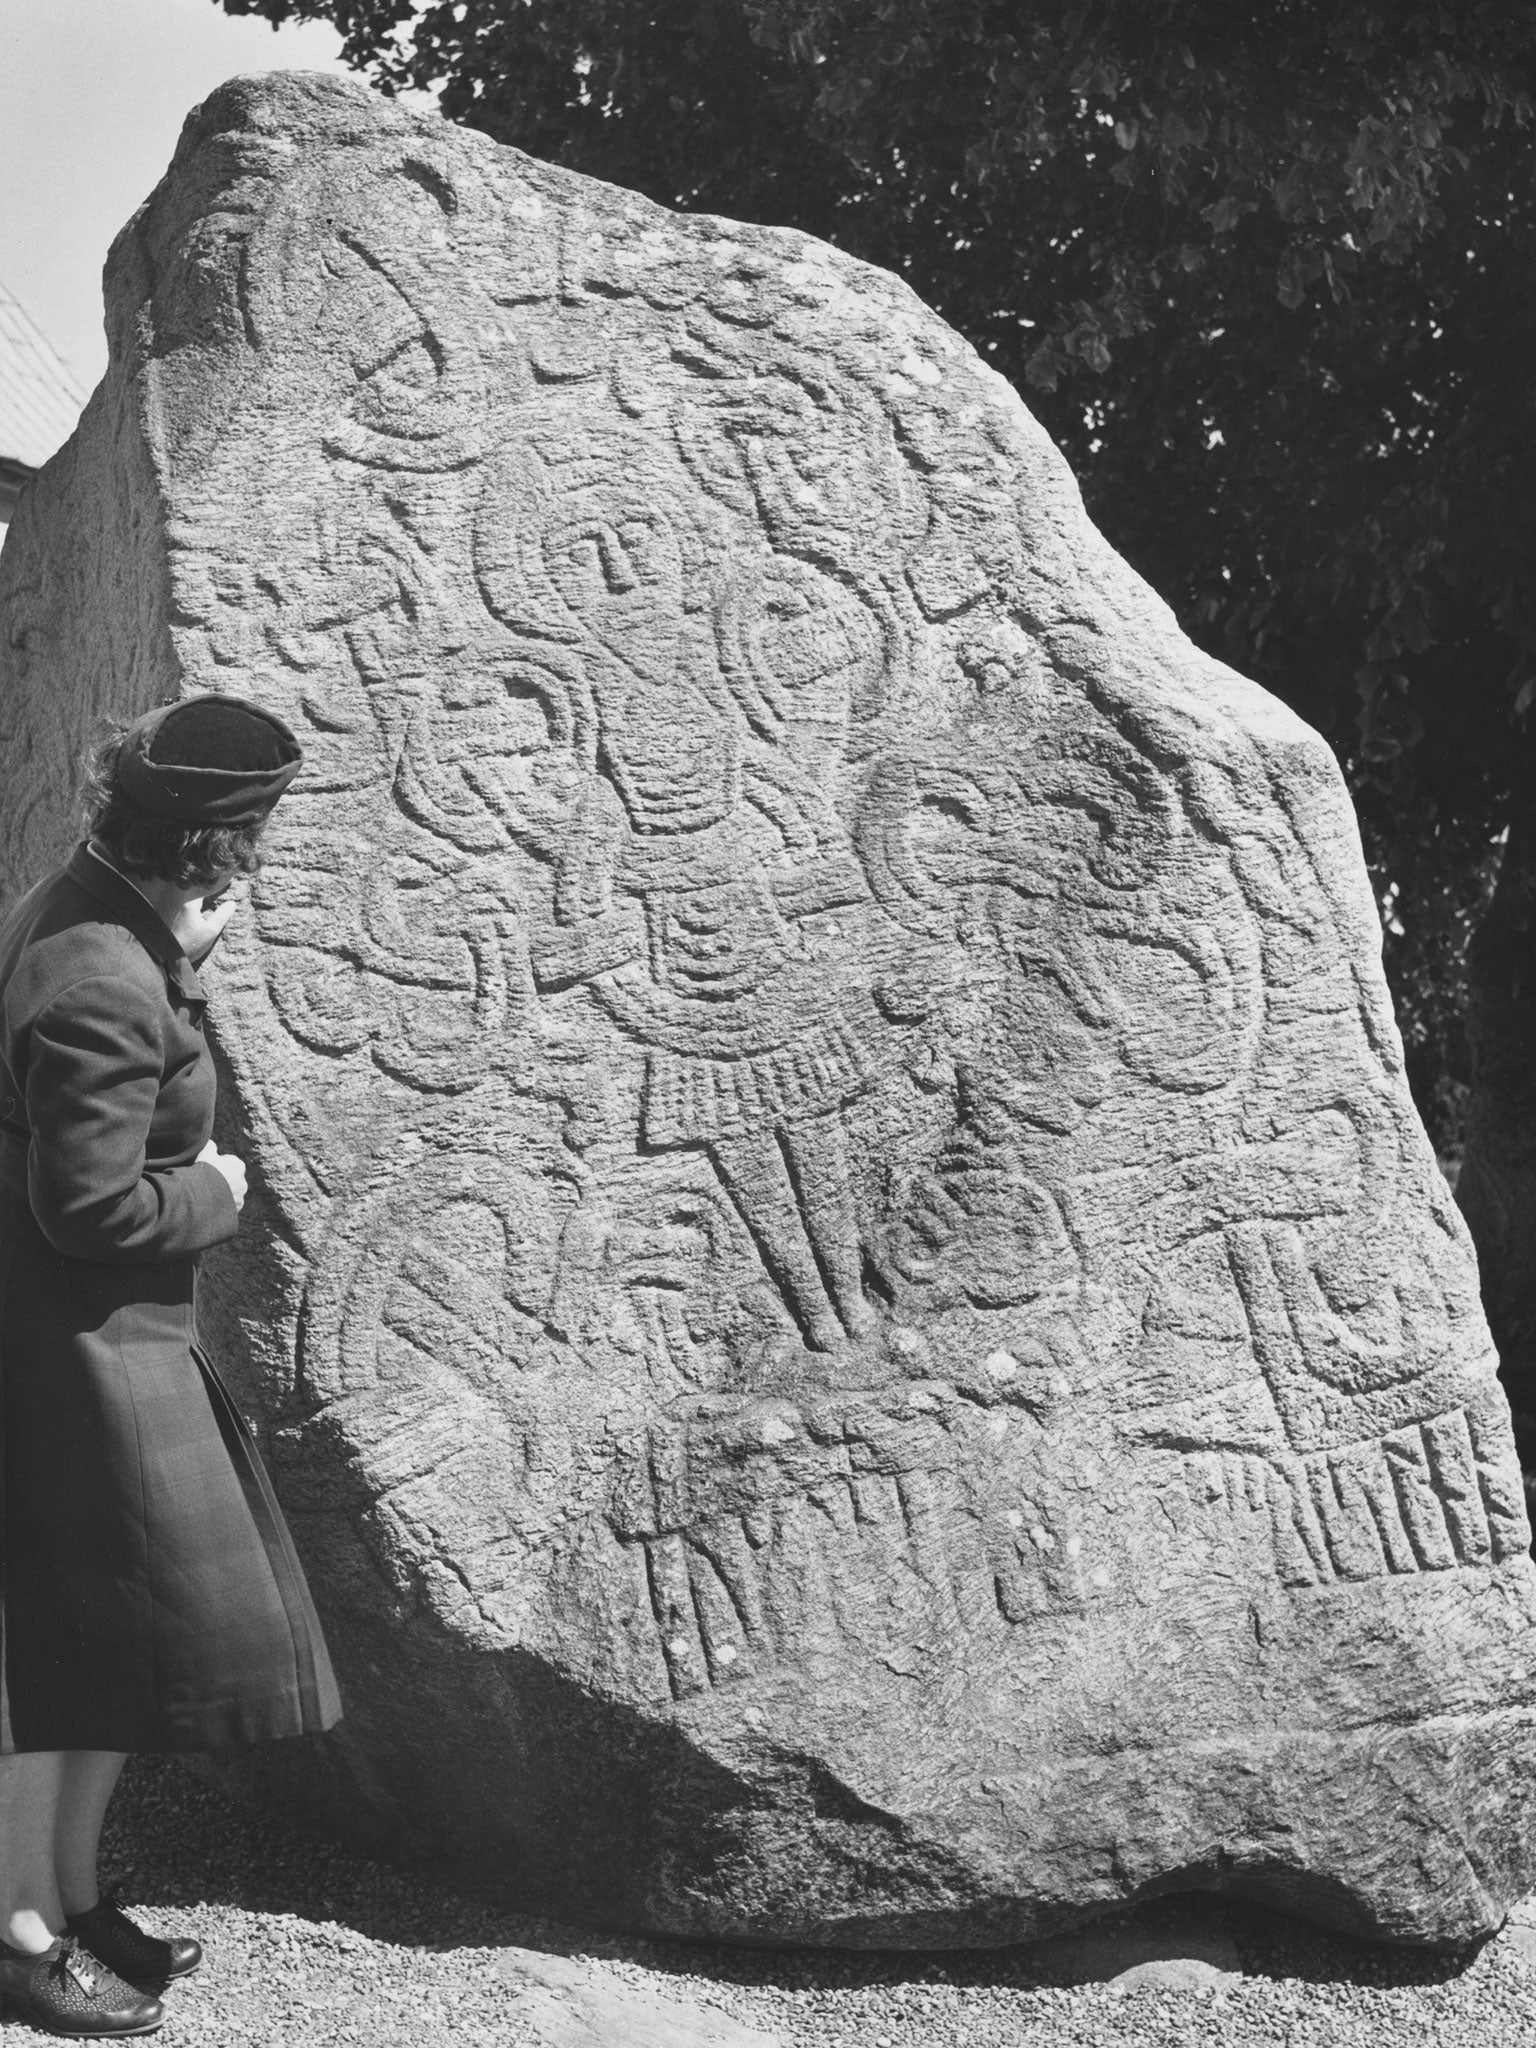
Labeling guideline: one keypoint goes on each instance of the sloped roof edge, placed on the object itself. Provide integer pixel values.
(40, 396)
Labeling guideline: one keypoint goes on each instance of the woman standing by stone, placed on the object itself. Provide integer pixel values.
(150, 1595)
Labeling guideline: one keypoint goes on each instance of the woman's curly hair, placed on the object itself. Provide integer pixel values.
(166, 848)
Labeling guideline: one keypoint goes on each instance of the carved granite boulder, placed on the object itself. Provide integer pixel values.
(845, 1291)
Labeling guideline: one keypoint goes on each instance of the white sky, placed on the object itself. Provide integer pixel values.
(92, 97)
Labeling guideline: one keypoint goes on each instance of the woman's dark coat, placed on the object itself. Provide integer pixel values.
(150, 1597)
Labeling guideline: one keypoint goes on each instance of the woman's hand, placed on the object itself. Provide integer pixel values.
(199, 921)
(233, 1170)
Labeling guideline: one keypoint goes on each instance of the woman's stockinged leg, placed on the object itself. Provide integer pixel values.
(31, 1911)
(51, 1806)
(87, 1781)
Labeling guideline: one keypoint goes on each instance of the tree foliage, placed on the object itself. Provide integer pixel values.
(1267, 273)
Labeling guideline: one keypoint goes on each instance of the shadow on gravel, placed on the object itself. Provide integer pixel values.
(1271, 1945)
(174, 1840)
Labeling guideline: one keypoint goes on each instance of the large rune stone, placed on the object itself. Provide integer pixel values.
(858, 1329)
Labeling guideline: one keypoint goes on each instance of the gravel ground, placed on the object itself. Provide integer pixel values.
(311, 1945)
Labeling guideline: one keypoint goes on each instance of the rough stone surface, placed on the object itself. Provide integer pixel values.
(843, 1287)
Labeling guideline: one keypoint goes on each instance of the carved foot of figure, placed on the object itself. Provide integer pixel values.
(860, 1317)
(784, 1362)
(826, 1332)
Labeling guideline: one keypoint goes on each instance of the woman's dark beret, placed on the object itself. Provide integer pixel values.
(210, 760)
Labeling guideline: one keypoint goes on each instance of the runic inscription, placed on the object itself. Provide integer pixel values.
(840, 1227)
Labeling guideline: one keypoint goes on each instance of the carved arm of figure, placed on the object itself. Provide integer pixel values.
(469, 956)
(565, 954)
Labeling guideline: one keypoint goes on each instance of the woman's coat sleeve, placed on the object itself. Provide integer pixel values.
(93, 1075)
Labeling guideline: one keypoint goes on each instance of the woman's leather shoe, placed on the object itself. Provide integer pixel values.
(65, 1990)
(137, 1957)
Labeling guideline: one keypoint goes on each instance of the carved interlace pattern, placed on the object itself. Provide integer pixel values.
(757, 1004)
